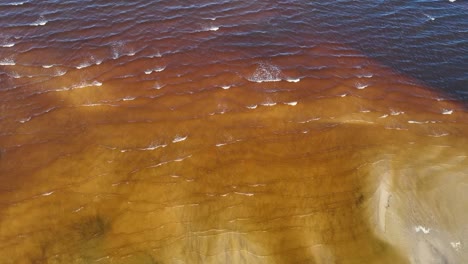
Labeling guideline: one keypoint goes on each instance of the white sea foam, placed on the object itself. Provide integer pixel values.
(423, 229)
(291, 103)
(82, 85)
(115, 53)
(128, 98)
(294, 80)
(117, 50)
(40, 22)
(60, 72)
(251, 106)
(213, 28)
(309, 120)
(158, 69)
(266, 72)
(439, 134)
(7, 45)
(158, 86)
(395, 112)
(153, 146)
(7, 62)
(91, 104)
(179, 139)
(225, 87)
(79, 209)
(416, 122)
(26, 119)
(245, 194)
(422, 122)
(83, 65)
(47, 193)
(182, 159)
(14, 3)
(96, 83)
(47, 66)
(360, 86)
(268, 104)
(15, 75)
(365, 75)
(430, 17)
(451, 1)
(447, 111)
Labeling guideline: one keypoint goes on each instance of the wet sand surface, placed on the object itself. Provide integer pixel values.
(224, 138)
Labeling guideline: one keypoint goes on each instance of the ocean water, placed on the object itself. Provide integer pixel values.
(233, 131)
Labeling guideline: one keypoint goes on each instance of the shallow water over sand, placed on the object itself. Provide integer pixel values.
(219, 132)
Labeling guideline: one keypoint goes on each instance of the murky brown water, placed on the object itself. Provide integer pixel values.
(209, 133)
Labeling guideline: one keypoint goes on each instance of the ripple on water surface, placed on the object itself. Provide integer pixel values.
(146, 131)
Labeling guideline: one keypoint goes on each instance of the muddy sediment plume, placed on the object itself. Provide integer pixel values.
(190, 146)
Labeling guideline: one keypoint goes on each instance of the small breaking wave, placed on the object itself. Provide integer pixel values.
(7, 45)
(40, 22)
(158, 69)
(80, 86)
(210, 28)
(294, 103)
(365, 75)
(268, 103)
(361, 86)
(84, 85)
(294, 80)
(60, 72)
(119, 49)
(83, 65)
(7, 62)
(87, 63)
(156, 55)
(154, 146)
(15, 75)
(431, 18)
(447, 111)
(14, 3)
(179, 139)
(158, 86)
(128, 98)
(266, 72)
